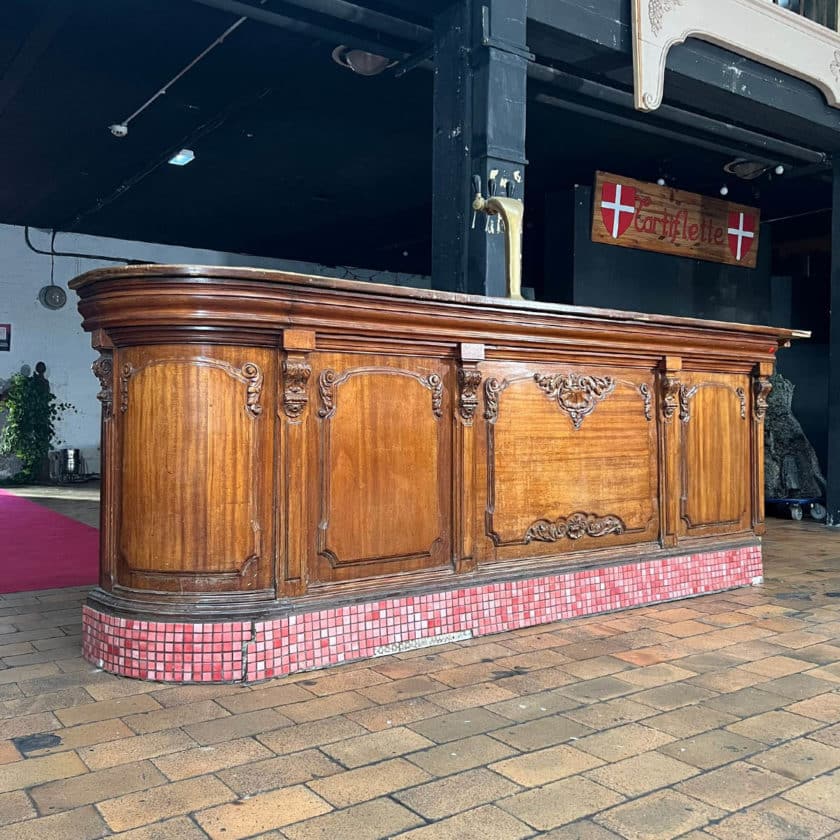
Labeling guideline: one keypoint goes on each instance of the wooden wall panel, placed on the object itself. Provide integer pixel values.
(570, 460)
(195, 460)
(384, 466)
(715, 453)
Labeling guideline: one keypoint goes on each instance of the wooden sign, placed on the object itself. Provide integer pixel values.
(634, 214)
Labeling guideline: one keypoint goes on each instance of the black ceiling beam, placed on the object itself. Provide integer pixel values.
(606, 22)
(309, 25)
(599, 113)
(367, 18)
(422, 58)
(766, 149)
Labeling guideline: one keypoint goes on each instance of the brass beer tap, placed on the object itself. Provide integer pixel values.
(510, 210)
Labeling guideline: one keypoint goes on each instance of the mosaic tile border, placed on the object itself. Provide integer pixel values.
(259, 650)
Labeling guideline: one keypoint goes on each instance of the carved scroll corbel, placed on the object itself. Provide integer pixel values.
(296, 375)
(126, 373)
(253, 376)
(761, 391)
(296, 372)
(675, 396)
(742, 399)
(670, 396)
(469, 381)
(326, 389)
(686, 394)
(492, 389)
(435, 384)
(103, 370)
(647, 396)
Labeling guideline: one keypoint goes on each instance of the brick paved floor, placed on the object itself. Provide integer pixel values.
(717, 717)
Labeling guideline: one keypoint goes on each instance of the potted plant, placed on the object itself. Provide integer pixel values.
(31, 413)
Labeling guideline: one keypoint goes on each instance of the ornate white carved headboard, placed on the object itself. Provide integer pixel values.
(757, 29)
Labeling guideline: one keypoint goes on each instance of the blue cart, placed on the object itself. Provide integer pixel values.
(797, 507)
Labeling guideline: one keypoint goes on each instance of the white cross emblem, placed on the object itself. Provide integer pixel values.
(742, 234)
(618, 208)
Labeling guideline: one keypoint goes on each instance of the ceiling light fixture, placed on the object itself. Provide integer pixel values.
(361, 62)
(745, 169)
(724, 190)
(183, 157)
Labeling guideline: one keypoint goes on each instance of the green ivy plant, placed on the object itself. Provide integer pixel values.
(31, 414)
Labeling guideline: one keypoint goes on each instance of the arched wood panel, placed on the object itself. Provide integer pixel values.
(196, 444)
(384, 467)
(715, 454)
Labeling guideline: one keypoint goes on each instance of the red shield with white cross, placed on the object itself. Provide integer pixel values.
(741, 232)
(618, 207)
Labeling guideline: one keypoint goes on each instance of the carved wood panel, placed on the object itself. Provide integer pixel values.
(714, 453)
(569, 460)
(761, 388)
(195, 509)
(103, 368)
(384, 466)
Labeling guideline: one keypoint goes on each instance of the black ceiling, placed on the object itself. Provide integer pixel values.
(295, 156)
(290, 148)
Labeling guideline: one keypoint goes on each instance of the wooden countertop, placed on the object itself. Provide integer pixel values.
(381, 290)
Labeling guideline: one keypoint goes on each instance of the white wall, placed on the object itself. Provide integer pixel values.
(57, 338)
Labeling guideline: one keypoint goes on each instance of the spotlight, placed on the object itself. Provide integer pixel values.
(118, 129)
(724, 190)
(660, 181)
(745, 169)
(779, 170)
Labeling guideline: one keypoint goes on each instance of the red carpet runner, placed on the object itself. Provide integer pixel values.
(40, 549)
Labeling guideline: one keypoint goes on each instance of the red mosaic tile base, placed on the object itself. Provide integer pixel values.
(250, 651)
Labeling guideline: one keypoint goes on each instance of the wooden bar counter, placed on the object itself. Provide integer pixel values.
(301, 471)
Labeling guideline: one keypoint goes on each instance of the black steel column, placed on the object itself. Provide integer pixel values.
(833, 477)
(479, 127)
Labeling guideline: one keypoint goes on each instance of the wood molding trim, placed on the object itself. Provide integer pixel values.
(669, 449)
(761, 388)
(103, 370)
(756, 29)
(293, 463)
(469, 384)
